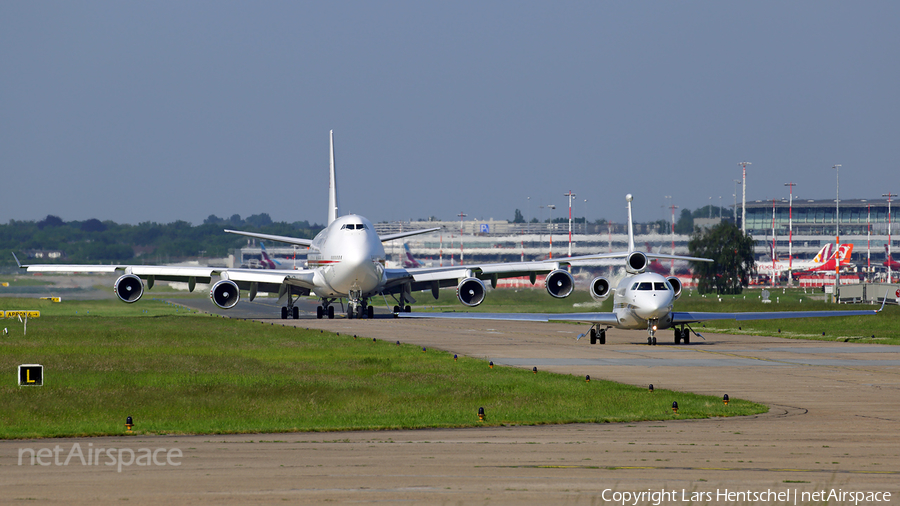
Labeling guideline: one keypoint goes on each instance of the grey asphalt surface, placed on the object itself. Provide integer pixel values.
(833, 425)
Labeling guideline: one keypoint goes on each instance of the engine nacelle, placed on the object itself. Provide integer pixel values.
(600, 288)
(225, 294)
(676, 285)
(129, 288)
(636, 262)
(470, 292)
(559, 283)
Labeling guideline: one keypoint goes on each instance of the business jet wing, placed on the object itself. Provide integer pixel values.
(598, 318)
(679, 317)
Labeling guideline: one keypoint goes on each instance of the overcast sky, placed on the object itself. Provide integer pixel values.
(163, 111)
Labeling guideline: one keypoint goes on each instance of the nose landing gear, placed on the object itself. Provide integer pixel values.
(651, 329)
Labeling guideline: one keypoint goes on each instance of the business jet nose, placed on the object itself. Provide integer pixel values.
(654, 306)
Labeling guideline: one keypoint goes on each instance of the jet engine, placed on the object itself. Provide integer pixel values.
(129, 288)
(225, 294)
(470, 292)
(676, 285)
(560, 283)
(600, 288)
(636, 262)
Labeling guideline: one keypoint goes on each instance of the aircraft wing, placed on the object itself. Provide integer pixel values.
(401, 235)
(599, 318)
(679, 317)
(266, 280)
(269, 237)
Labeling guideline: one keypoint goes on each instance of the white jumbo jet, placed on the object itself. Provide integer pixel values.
(642, 301)
(345, 260)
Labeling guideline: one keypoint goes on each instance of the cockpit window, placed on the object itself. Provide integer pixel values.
(645, 286)
(659, 286)
(352, 226)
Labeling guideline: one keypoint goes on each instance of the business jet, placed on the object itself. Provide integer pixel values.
(346, 260)
(642, 300)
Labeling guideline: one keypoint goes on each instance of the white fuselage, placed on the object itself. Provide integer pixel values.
(642, 298)
(348, 257)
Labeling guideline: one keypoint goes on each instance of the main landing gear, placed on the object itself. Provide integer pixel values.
(682, 334)
(325, 308)
(598, 335)
(290, 310)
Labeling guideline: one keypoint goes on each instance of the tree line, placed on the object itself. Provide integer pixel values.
(95, 241)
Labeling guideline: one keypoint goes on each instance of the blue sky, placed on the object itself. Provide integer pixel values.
(160, 111)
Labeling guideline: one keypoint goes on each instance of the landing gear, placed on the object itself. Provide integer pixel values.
(598, 335)
(651, 328)
(290, 310)
(682, 334)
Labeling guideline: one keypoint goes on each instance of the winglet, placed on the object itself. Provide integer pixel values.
(884, 300)
(20, 264)
(629, 198)
(332, 186)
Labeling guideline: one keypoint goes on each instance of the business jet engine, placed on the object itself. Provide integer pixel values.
(225, 294)
(676, 285)
(470, 292)
(129, 288)
(636, 262)
(600, 288)
(559, 283)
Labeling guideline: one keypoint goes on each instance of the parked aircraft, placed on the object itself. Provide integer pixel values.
(346, 260)
(267, 261)
(888, 260)
(821, 262)
(642, 300)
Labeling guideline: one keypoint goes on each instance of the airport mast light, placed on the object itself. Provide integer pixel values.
(570, 195)
(551, 207)
(734, 195)
(790, 231)
(889, 195)
(837, 232)
(461, 216)
(744, 197)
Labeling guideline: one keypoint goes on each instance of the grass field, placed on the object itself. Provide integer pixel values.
(175, 372)
(884, 326)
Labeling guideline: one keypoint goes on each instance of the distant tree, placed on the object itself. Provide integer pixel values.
(685, 223)
(50, 221)
(93, 225)
(236, 219)
(259, 220)
(212, 219)
(732, 255)
(518, 217)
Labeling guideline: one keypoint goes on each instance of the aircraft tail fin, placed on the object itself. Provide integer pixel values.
(824, 254)
(332, 186)
(629, 198)
(844, 253)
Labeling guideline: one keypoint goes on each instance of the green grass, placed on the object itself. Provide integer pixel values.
(884, 326)
(185, 373)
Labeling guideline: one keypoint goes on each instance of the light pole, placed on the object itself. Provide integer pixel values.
(734, 206)
(837, 232)
(790, 231)
(889, 195)
(461, 216)
(672, 263)
(570, 195)
(744, 197)
(585, 217)
(551, 207)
